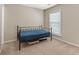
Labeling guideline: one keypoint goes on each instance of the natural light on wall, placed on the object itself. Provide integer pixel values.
(55, 22)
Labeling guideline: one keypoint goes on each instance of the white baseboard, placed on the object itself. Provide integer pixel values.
(10, 41)
(70, 43)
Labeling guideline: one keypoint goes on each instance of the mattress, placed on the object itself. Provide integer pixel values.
(33, 35)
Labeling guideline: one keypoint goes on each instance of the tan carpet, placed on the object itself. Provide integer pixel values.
(46, 47)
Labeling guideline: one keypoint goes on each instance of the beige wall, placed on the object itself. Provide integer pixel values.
(69, 22)
(29, 16)
(22, 16)
(9, 23)
(0, 24)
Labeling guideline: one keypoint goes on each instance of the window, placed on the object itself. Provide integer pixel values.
(55, 23)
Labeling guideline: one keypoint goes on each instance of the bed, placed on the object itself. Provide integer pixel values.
(32, 33)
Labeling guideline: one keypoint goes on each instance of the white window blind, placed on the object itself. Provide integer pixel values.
(55, 22)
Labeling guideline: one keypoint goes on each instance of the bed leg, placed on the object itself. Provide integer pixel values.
(19, 45)
(17, 32)
(51, 37)
(51, 34)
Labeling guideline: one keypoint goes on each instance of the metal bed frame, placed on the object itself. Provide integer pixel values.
(19, 29)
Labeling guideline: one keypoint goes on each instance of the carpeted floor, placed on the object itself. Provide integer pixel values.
(47, 47)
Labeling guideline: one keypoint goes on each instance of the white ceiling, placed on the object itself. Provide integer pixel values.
(40, 6)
